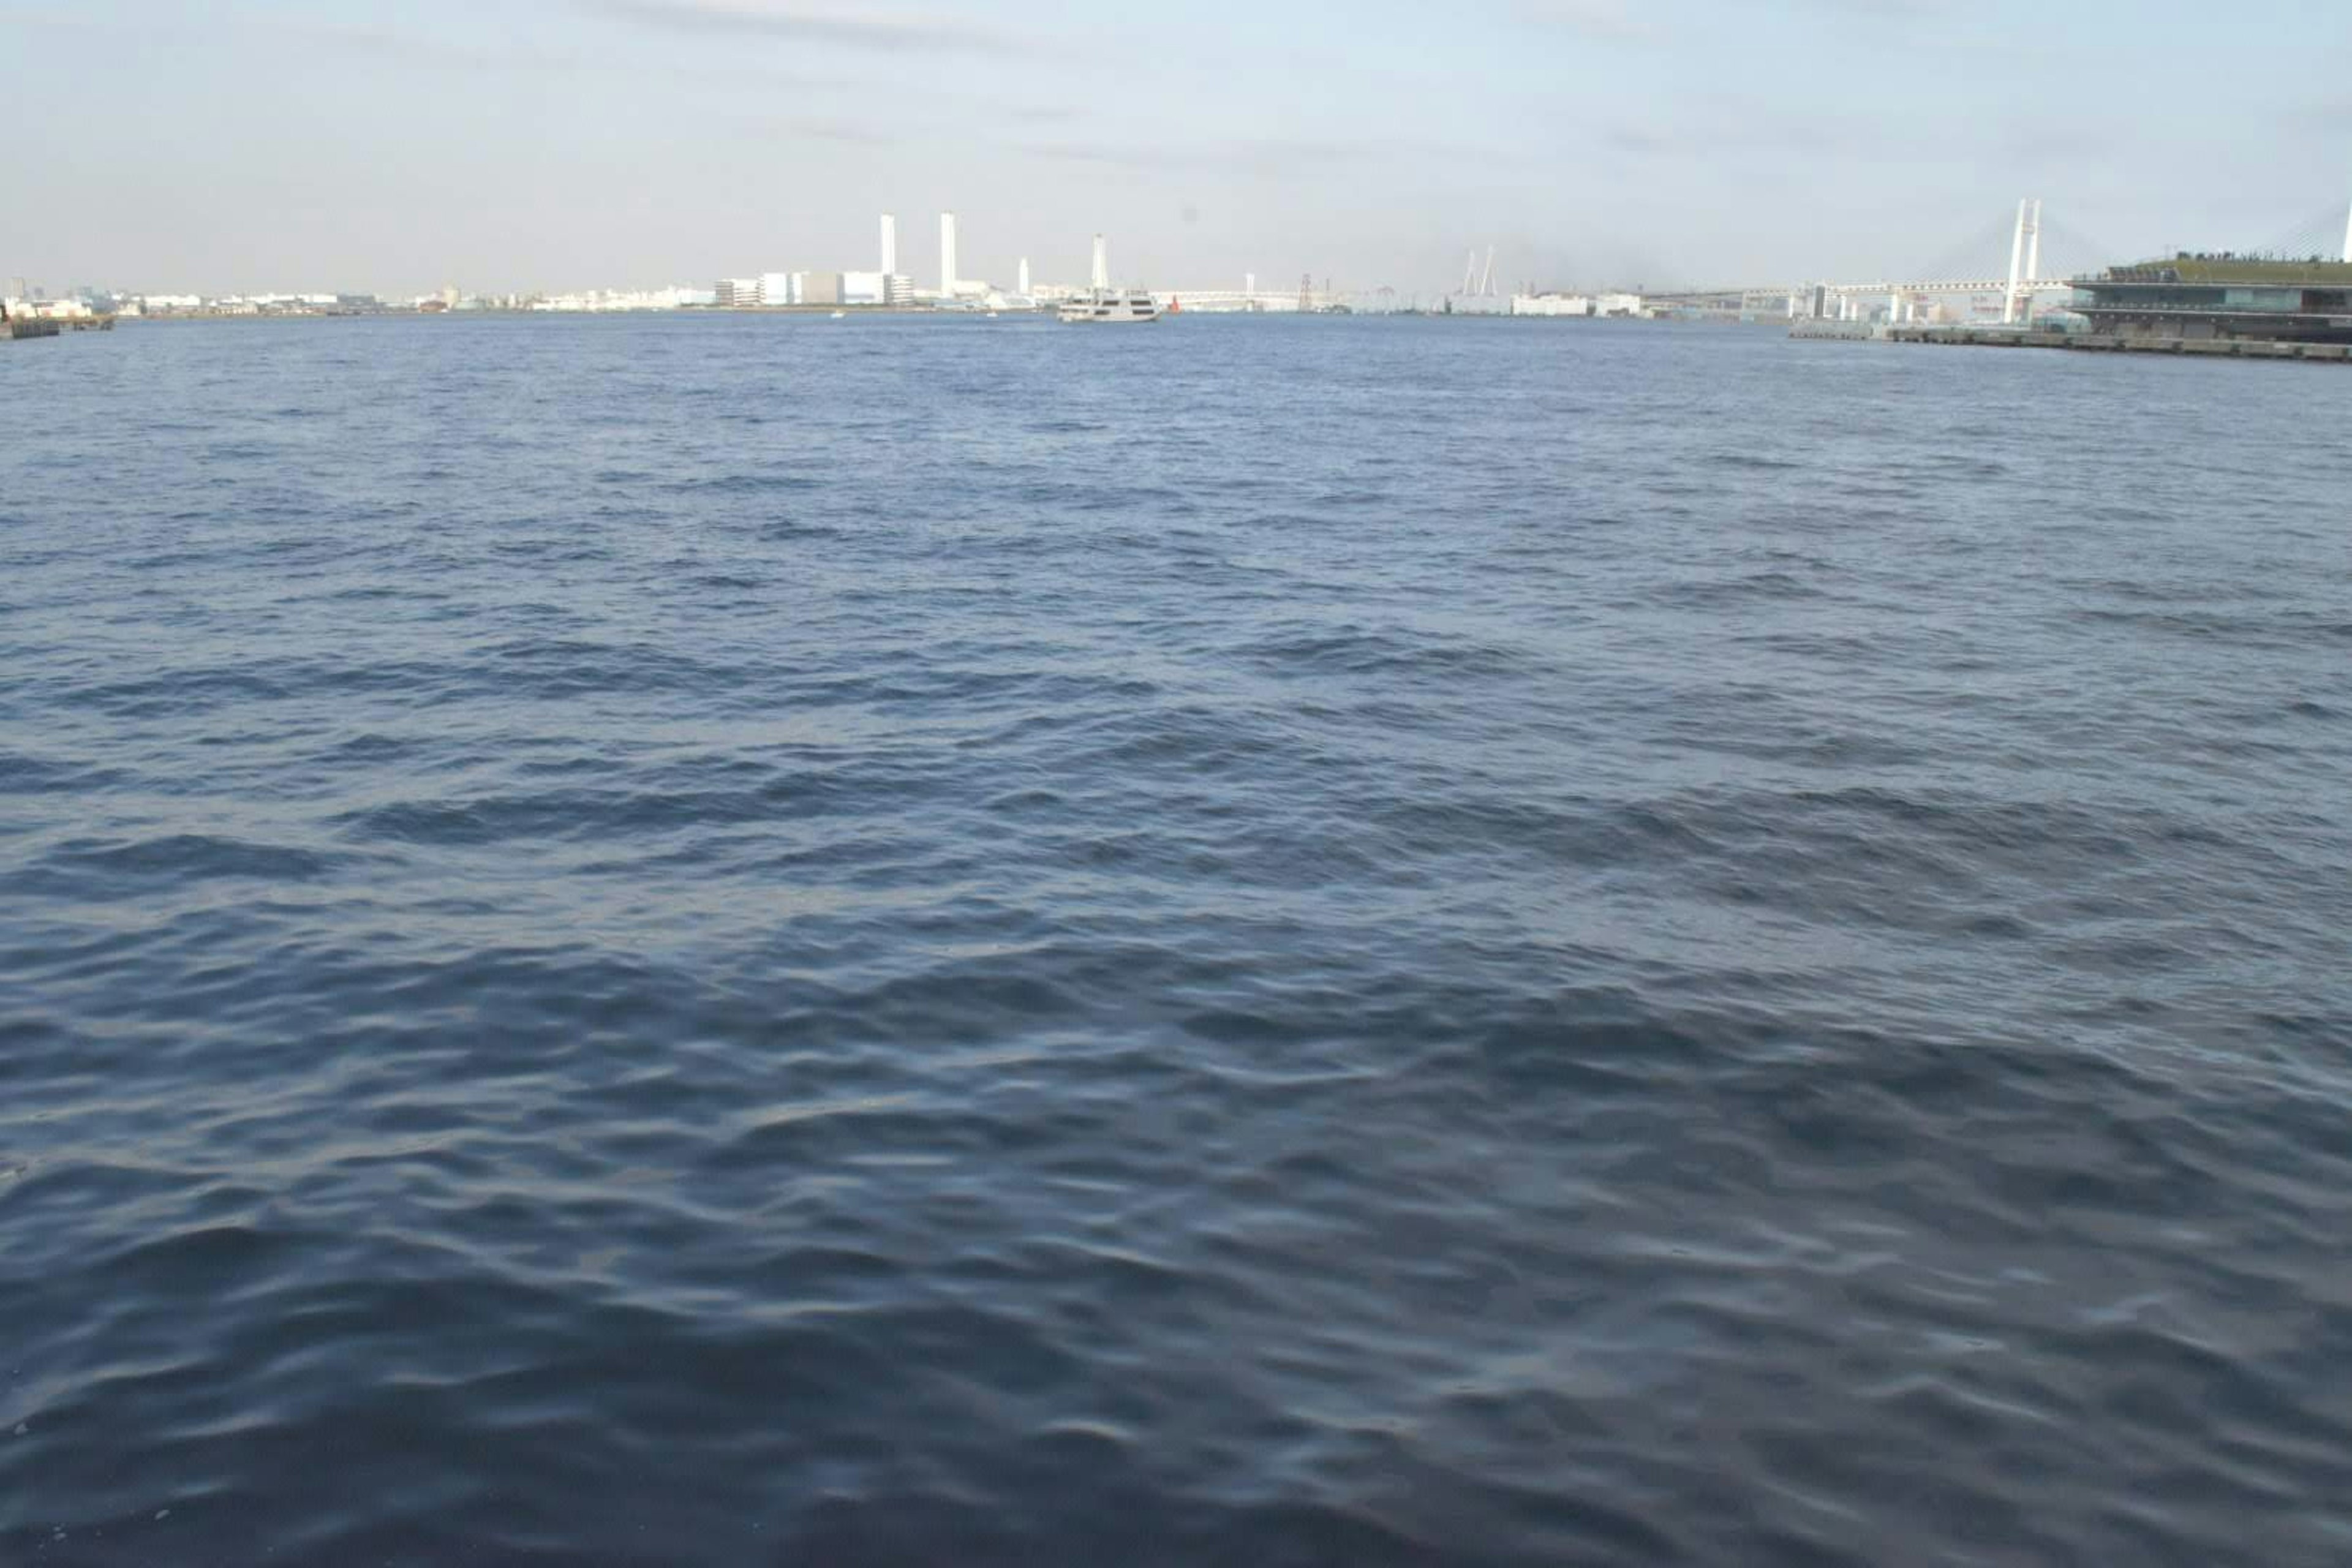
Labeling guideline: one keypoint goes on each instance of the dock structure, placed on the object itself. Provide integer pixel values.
(13, 327)
(2117, 342)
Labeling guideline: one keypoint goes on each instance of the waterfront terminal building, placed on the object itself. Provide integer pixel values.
(2221, 297)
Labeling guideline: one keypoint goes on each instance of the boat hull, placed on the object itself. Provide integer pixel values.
(1107, 306)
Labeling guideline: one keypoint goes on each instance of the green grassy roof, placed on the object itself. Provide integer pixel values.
(2200, 269)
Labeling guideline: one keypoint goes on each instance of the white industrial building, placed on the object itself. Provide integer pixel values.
(1554, 304)
(1551, 305)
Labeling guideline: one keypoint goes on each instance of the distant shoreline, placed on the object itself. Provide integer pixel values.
(853, 311)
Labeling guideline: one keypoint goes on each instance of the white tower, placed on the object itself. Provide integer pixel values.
(947, 254)
(2028, 222)
(1102, 262)
(2348, 236)
(1249, 283)
(890, 244)
(1024, 289)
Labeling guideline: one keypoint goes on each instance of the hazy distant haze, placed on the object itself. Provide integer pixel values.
(507, 144)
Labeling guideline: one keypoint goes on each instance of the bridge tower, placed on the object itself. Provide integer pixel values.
(2026, 242)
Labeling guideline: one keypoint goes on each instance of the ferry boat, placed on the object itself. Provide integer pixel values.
(1111, 305)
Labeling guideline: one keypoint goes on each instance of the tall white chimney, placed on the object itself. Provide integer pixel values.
(1102, 262)
(1024, 289)
(947, 254)
(2348, 236)
(890, 244)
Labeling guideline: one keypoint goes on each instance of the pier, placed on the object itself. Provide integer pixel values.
(2114, 343)
(15, 327)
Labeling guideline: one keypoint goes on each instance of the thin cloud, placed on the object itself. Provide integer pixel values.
(846, 132)
(1258, 157)
(420, 52)
(1879, 9)
(378, 44)
(753, 19)
(1108, 157)
(1748, 128)
(1602, 21)
(2331, 114)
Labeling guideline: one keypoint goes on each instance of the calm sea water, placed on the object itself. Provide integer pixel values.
(715, 941)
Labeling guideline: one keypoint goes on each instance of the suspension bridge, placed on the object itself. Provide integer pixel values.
(2043, 260)
(2035, 271)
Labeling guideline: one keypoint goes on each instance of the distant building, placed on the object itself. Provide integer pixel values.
(818, 288)
(776, 289)
(2195, 297)
(1551, 305)
(897, 288)
(865, 288)
(732, 293)
(19, 290)
(1617, 305)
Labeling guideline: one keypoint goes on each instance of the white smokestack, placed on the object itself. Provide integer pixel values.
(1024, 287)
(1102, 262)
(946, 254)
(889, 246)
(2348, 234)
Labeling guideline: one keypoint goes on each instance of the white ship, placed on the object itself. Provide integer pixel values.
(1111, 305)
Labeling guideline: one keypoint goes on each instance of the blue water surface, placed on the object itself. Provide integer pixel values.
(728, 940)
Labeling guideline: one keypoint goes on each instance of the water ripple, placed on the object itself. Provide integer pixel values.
(715, 941)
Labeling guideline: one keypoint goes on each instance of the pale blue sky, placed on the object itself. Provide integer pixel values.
(557, 143)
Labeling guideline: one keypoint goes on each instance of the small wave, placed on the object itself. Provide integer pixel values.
(707, 485)
(187, 856)
(1358, 650)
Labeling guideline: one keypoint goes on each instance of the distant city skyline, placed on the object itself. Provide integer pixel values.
(544, 146)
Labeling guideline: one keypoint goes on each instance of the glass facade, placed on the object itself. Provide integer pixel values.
(2228, 297)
